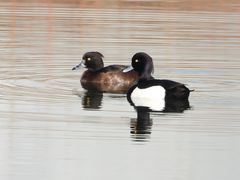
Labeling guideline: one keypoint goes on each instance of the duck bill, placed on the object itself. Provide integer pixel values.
(127, 69)
(79, 66)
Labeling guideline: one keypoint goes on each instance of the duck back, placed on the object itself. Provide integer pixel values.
(109, 79)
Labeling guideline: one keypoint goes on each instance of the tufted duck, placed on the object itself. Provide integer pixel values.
(150, 92)
(104, 79)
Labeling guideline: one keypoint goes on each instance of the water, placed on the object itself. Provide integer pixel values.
(51, 128)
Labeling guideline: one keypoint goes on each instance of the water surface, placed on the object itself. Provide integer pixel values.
(51, 128)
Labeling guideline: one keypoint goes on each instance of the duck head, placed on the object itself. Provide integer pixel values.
(143, 64)
(92, 61)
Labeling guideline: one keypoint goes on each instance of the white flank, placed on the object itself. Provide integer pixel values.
(152, 97)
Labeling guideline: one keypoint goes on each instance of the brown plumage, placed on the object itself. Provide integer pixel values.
(110, 79)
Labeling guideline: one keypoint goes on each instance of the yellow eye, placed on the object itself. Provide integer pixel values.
(88, 58)
(136, 60)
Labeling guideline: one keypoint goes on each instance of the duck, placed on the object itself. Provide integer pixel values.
(150, 92)
(109, 79)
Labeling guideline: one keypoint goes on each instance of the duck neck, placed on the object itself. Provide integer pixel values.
(95, 69)
(97, 66)
(145, 77)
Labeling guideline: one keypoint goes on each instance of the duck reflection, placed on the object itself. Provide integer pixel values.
(142, 125)
(92, 100)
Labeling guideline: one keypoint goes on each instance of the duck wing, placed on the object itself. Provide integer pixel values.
(173, 89)
(113, 68)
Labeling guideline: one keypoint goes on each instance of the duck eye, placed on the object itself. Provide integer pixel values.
(136, 60)
(88, 58)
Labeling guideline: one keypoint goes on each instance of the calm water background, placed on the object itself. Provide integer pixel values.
(50, 128)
